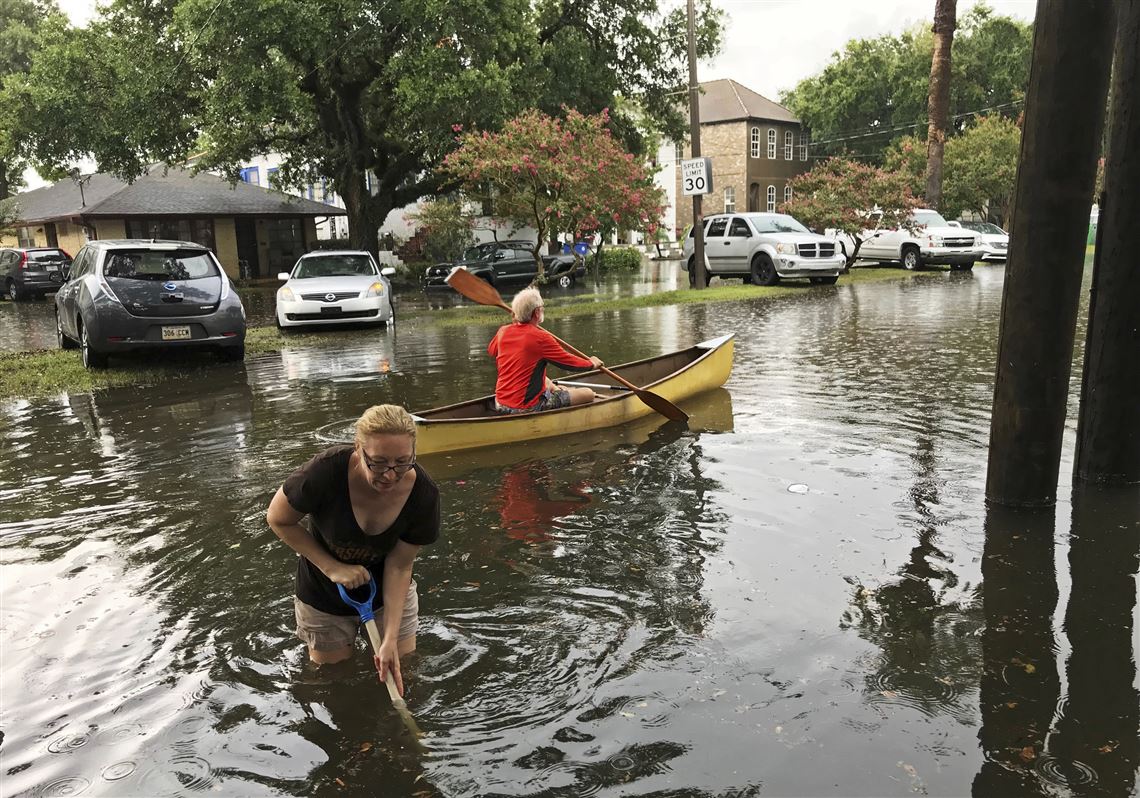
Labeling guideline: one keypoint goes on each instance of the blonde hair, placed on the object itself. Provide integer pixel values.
(385, 420)
(525, 303)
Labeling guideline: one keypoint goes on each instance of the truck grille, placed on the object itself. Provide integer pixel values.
(957, 242)
(820, 250)
(337, 297)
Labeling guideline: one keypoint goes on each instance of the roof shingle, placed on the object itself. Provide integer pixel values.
(727, 101)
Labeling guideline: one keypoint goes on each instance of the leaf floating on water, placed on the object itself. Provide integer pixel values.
(365, 747)
(1030, 668)
(1027, 754)
(719, 693)
(235, 545)
(1109, 747)
(889, 694)
(910, 771)
(1011, 704)
(627, 715)
(472, 584)
(341, 783)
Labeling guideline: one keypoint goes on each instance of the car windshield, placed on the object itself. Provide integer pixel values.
(928, 219)
(984, 227)
(334, 266)
(480, 252)
(777, 224)
(191, 264)
(49, 256)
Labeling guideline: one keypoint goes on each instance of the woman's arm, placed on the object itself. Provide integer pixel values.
(397, 579)
(286, 524)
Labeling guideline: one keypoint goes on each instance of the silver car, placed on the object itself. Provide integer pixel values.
(335, 287)
(129, 295)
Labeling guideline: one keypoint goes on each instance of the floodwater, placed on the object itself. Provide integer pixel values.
(800, 594)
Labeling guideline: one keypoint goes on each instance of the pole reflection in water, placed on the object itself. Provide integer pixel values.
(1096, 745)
(1019, 683)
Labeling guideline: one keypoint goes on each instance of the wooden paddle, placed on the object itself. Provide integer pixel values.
(484, 293)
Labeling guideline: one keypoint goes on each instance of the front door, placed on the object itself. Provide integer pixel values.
(717, 244)
(246, 233)
(739, 242)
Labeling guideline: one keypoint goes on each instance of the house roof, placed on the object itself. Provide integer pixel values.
(727, 101)
(165, 191)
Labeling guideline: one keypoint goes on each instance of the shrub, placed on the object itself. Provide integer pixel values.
(616, 259)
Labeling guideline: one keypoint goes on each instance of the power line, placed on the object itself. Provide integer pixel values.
(884, 131)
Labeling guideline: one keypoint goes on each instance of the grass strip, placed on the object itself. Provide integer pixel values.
(49, 372)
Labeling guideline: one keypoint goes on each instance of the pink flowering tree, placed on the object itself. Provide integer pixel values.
(848, 199)
(556, 175)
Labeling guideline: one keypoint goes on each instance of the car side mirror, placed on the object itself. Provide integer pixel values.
(282, 275)
(388, 271)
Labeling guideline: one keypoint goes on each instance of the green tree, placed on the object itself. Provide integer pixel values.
(557, 176)
(21, 24)
(362, 92)
(845, 196)
(448, 228)
(875, 90)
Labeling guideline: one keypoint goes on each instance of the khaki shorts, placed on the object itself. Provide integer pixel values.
(324, 632)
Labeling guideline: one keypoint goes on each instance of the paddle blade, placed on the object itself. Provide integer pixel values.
(475, 289)
(662, 405)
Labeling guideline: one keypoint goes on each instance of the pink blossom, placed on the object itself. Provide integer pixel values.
(457, 128)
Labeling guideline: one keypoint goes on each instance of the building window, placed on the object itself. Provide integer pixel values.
(771, 144)
(789, 145)
(771, 199)
(729, 199)
(200, 231)
(679, 151)
(25, 237)
(755, 142)
(803, 145)
(250, 175)
(269, 173)
(787, 193)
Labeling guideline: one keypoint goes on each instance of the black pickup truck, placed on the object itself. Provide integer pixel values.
(506, 262)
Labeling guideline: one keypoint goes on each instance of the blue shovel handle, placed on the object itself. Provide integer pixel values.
(363, 608)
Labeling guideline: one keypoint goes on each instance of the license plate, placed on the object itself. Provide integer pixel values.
(175, 333)
(331, 311)
(53, 267)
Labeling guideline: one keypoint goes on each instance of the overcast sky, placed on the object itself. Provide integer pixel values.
(770, 45)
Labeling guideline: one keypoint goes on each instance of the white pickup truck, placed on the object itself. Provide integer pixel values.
(931, 241)
(764, 248)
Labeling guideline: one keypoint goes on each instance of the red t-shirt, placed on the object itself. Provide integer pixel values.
(521, 352)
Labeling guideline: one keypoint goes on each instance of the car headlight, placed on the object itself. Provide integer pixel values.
(285, 294)
(376, 289)
(934, 241)
(786, 249)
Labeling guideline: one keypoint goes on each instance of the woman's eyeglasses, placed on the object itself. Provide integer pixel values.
(380, 469)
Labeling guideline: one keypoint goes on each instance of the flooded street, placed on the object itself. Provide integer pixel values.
(801, 594)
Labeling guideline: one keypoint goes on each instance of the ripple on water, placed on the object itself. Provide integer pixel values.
(68, 743)
(119, 770)
(117, 734)
(1064, 772)
(919, 690)
(336, 432)
(69, 785)
(181, 774)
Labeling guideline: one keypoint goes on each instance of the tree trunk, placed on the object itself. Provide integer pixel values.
(938, 100)
(598, 260)
(365, 212)
(5, 188)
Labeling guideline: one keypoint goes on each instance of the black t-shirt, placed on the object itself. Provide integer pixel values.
(320, 489)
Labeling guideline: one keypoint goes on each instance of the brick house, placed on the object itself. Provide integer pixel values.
(756, 147)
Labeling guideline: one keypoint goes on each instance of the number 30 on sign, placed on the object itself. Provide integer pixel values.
(696, 176)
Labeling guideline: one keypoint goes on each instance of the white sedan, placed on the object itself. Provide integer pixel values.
(335, 287)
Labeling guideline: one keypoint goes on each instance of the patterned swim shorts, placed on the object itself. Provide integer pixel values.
(551, 400)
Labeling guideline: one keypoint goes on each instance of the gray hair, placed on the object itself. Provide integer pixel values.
(525, 303)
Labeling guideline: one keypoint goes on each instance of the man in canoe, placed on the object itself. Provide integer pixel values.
(521, 350)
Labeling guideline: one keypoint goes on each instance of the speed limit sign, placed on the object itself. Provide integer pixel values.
(696, 176)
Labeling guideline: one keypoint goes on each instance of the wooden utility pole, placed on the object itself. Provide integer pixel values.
(1064, 120)
(700, 276)
(938, 99)
(1108, 430)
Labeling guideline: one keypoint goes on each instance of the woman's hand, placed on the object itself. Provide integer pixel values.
(388, 661)
(348, 575)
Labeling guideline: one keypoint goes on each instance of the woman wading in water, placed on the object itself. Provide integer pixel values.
(370, 508)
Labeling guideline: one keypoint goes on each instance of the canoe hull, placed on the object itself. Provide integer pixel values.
(702, 368)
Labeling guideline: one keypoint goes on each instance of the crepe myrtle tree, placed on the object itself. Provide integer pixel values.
(556, 175)
(843, 195)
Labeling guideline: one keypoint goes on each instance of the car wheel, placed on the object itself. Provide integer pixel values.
(63, 341)
(232, 354)
(565, 281)
(764, 271)
(15, 293)
(91, 359)
(692, 269)
(911, 258)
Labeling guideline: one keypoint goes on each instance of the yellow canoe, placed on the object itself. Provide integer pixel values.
(675, 376)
